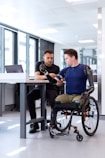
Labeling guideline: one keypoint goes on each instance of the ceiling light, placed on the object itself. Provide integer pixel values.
(86, 41)
(80, 1)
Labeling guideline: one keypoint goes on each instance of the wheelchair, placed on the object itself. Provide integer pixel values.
(89, 113)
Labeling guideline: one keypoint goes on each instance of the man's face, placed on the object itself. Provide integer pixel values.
(69, 60)
(48, 59)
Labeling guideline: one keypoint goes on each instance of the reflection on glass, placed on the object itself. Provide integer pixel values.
(22, 50)
(32, 49)
(8, 48)
(88, 57)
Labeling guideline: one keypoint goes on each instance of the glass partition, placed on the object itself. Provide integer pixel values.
(9, 56)
(89, 57)
(32, 50)
(22, 50)
(1, 48)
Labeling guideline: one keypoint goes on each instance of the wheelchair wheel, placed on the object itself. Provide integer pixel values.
(90, 117)
(63, 120)
(79, 138)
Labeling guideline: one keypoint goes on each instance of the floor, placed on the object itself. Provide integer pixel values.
(41, 145)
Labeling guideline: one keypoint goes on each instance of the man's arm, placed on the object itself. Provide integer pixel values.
(89, 74)
(38, 76)
(43, 74)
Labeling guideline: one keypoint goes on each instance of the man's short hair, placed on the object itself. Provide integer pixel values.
(71, 52)
(48, 51)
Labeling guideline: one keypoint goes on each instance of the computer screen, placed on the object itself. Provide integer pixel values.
(13, 68)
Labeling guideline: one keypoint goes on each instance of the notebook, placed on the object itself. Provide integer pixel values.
(13, 68)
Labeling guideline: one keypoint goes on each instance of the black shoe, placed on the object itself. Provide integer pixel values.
(34, 128)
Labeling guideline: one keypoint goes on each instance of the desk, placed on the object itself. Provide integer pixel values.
(23, 84)
(23, 105)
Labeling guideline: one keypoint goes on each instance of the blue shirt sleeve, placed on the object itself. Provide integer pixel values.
(63, 72)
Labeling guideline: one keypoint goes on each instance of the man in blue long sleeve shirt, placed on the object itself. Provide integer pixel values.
(76, 76)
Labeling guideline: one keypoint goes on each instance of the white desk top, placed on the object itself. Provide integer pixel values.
(36, 81)
(13, 78)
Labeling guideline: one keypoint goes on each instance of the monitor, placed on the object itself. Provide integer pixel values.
(13, 68)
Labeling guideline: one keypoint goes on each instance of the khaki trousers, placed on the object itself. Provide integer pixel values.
(65, 98)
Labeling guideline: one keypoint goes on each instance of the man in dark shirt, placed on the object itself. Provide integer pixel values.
(51, 89)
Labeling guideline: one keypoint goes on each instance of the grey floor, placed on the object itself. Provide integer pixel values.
(40, 145)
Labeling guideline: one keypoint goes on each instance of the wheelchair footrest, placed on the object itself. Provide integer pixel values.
(58, 133)
(62, 133)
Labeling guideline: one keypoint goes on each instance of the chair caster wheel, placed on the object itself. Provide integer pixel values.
(79, 137)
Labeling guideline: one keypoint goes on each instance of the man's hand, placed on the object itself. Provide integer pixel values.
(59, 79)
(53, 75)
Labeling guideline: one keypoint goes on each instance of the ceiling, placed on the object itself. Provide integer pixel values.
(70, 21)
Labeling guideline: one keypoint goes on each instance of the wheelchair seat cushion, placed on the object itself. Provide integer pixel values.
(67, 106)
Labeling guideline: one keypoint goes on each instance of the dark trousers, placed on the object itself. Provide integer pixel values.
(35, 94)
